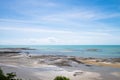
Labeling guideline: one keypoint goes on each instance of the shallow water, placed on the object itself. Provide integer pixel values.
(96, 51)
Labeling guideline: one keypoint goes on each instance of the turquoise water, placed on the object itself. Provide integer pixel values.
(96, 51)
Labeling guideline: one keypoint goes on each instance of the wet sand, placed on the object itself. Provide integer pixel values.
(101, 63)
(47, 67)
(27, 68)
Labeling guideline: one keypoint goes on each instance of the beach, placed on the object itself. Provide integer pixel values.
(47, 67)
(54, 39)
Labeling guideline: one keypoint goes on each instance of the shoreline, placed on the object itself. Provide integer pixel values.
(37, 67)
(16, 53)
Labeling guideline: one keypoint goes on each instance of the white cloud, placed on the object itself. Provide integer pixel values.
(48, 40)
(36, 13)
(66, 26)
(32, 41)
(28, 29)
(85, 15)
(17, 21)
(79, 39)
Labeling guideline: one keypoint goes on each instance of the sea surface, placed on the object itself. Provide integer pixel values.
(95, 51)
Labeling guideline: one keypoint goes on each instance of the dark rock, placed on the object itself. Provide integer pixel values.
(77, 73)
(62, 63)
(93, 50)
(75, 60)
(88, 65)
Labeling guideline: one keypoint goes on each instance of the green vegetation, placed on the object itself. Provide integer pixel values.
(12, 76)
(8, 76)
(61, 78)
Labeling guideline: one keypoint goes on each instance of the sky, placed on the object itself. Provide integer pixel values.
(59, 22)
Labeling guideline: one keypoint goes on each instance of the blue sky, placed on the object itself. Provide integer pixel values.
(63, 22)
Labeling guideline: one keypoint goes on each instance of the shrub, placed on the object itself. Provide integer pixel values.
(61, 78)
(8, 76)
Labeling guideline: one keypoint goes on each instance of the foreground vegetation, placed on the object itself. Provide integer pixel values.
(61, 78)
(12, 76)
(8, 76)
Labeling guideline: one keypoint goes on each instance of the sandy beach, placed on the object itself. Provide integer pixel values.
(47, 67)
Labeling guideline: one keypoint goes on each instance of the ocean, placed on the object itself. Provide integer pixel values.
(94, 51)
